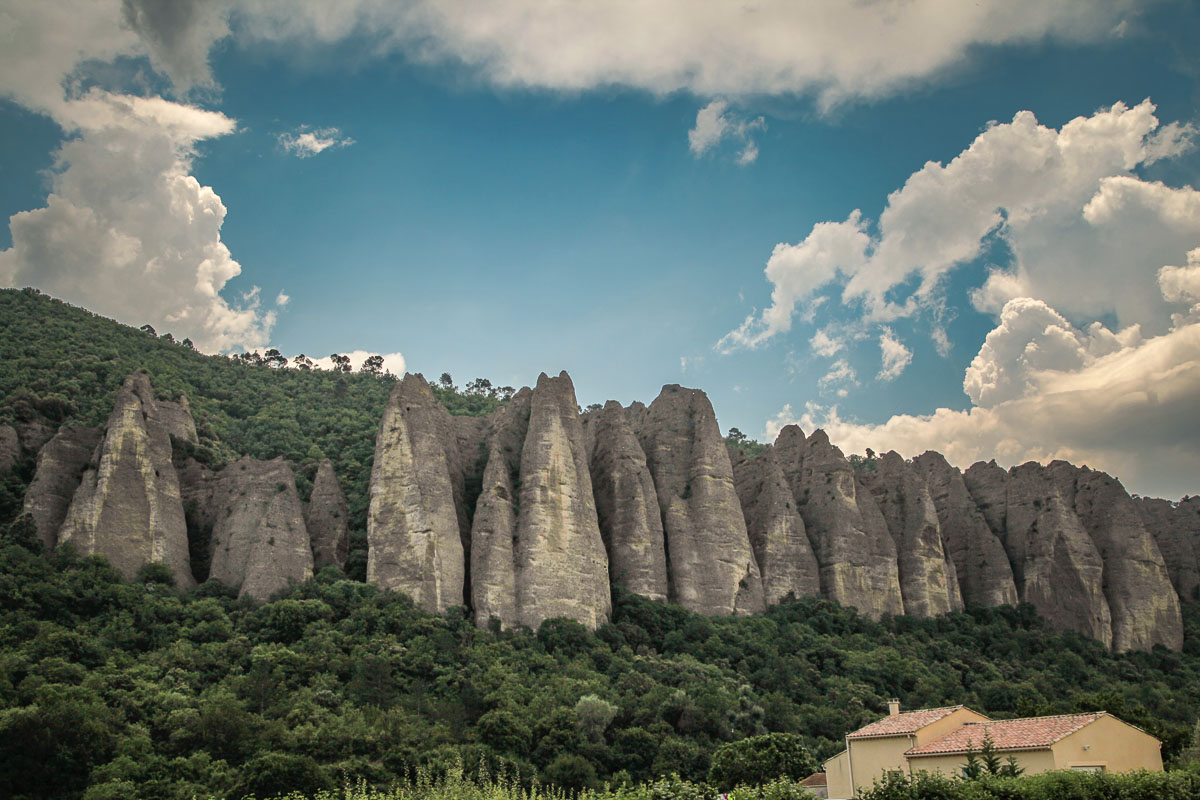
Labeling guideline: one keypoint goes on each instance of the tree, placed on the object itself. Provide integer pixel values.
(593, 715)
(168, 337)
(340, 363)
(373, 365)
(274, 359)
(189, 344)
(481, 387)
(148, 328)
(736, 435)
(761, 759)
(446, 381)
(302, 362)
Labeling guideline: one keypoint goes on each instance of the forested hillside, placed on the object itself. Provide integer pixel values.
(116, 689)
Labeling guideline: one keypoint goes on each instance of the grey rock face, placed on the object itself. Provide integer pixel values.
(1176, 530)
(10, 448)
(776, 529)
(128, 506)
(627, 505)
(259, 542)
(710, 562)
(416, 516)
(928, 580)
(1145, 610)
(327, 518)
(494, 527)
(987, 484)
(35, 433)
(561, 565)
(1056, 565)
(855, 552)
(177, 418)
(60, 468)
(982, 567)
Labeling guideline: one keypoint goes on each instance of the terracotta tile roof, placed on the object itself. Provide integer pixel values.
(904, 723)
(816, 779)
(1007, 734)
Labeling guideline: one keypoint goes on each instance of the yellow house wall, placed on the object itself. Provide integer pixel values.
(1112, 744)
(871, 758)
(1032, 761)
(837, 776)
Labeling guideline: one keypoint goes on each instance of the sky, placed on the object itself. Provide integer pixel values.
(917, 224)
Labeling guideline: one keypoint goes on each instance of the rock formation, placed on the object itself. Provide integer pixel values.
(60, 468)
(1145, 610)
(259, 543)
(855, 552)
(416, 517)
(928, 580)
(1056, 566)
(10, 448)
(536, 549)
(328, 519)
(1176, 530)
(127, 506)
(777, 535)
(627, 505)
(177, 419)
(711, 563)
(982, 567)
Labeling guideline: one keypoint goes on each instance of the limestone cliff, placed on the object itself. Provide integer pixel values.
(177, 419)
(327, 518)
(127, 506)
(259, 543)
(982, 567)
(856, 554)
(777, 535)
(60, 468)
(536, 550)
(561, 565)
(711, 564)
(1176, 530)
(1056, 565)
(1145, 610)
(416, 517)
(928, 579)
(627, 505)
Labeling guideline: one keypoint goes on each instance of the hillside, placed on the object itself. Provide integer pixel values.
(116, 683)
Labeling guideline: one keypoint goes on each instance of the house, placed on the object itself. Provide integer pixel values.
(939, 739)
(816, 784)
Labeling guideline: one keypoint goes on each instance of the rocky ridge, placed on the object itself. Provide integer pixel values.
(533, 513)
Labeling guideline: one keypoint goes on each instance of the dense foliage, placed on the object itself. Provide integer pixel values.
(1177, 785)
(110, 688)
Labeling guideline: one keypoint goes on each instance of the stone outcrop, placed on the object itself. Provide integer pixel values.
(327, 518)
(627, 505)
(711, 564)
(60, 468)
(1176, 530)
(856, 554)
(177, 419)
(536, 550)
(1056, 566)
(34, 433)
(777, 535)
(416, 517)
(494, 527)
(928, 579)
(127, 506)
(10, 448)
(982, 567)
(1144, 607)
(259, 543)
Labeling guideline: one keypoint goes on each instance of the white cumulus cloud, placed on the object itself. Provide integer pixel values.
(896, 357)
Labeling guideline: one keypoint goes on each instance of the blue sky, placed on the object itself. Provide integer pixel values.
(500, 189)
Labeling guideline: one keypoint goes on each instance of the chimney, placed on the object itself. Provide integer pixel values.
(893, 707)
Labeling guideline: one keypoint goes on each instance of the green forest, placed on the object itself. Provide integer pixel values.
(117, 689)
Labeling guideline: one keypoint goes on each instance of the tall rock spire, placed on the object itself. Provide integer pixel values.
(710, 562)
